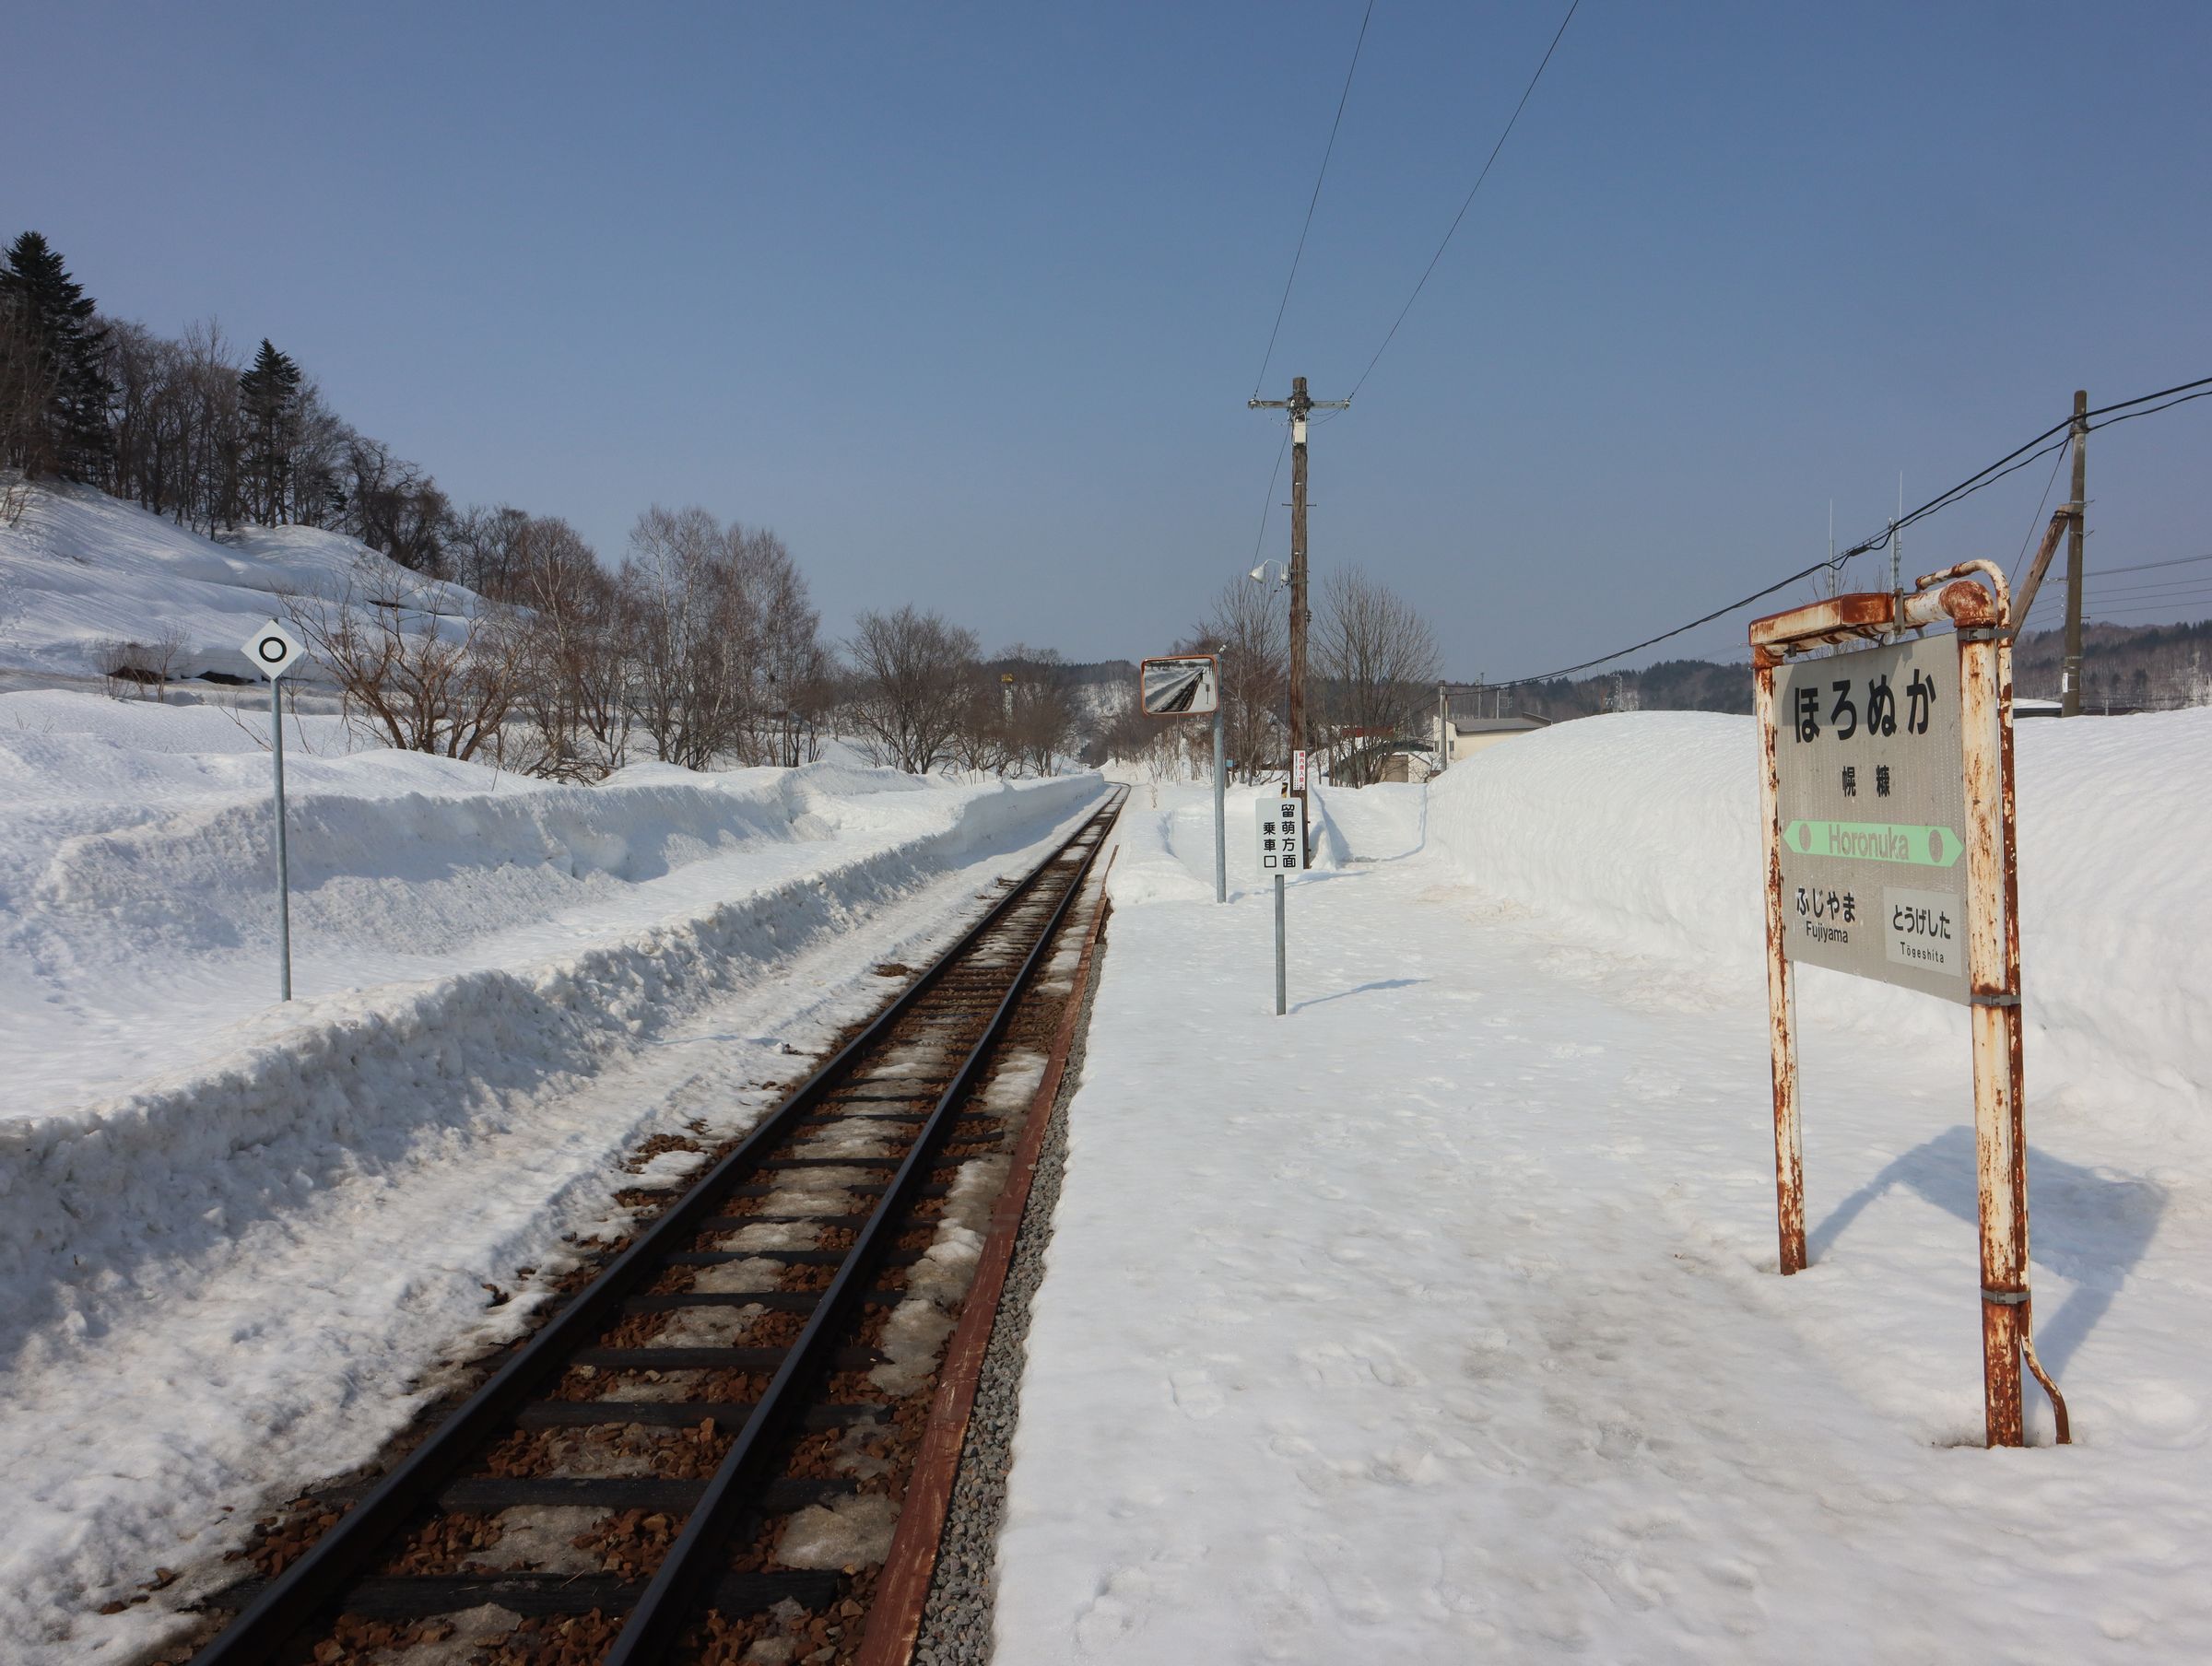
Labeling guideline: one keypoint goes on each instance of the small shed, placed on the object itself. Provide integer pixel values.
(1471, 734)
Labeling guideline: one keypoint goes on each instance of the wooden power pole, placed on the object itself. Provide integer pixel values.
(1299, 405)
(2069, 692)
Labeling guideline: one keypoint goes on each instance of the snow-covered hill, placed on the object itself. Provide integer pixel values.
(78, 567)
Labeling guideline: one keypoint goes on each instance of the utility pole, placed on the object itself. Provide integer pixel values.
(1299, 405)
(2069, 693)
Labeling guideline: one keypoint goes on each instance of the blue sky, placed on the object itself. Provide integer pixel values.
(966, 301)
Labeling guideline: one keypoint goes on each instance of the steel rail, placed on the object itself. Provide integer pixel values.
(658, 1620)
(334, 1563)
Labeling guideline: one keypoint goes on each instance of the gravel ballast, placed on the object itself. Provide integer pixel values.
(956, 1621)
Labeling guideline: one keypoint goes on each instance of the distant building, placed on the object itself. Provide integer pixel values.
(1469, 735)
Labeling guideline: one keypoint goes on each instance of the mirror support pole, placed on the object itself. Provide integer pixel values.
(1220, 812)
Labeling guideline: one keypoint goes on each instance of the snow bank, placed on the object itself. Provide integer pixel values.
(458, 950)
(1638, 832)
(86, 566)
(1168, 852)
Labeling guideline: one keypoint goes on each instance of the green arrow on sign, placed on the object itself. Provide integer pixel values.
(1876, 841)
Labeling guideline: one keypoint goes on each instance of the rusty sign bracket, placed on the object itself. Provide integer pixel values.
(1981, 621)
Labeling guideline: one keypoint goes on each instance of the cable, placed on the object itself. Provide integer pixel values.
(1664, 636)
(2034, 521)
(1467, 203)
(2096, 572)
(1329, 150)
(2107, 593)
(2018, 458)
(1267, 503)
(2006, 464)
(2131, 615)
(2155, 409)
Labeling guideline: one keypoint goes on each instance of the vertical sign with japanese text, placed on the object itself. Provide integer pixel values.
(1281, 831)
(1871, 803)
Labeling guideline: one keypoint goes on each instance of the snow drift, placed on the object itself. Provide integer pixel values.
(84, 567)
(1638, 832)
(464, 940)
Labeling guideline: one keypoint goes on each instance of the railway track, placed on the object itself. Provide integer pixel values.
(701, 1455)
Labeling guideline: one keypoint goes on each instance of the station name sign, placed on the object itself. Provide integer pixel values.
(1873, 815)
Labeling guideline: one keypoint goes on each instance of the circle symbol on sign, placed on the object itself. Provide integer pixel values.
(271, 650)
(1935, 844)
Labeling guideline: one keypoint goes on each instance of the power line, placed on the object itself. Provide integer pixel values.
(2124, 616)
(2016, 459)
(2098, 572)
(2055, 596)
(2203, 392)
(1329, 150)
(2100, 593)
(1467, 203)
(1267, 503)
(2028, 453)
(2036, 520)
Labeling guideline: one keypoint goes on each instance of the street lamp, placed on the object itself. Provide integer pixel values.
(1259, 574)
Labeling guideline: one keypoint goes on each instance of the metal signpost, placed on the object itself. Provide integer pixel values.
(1188, 685)
(1887, 795)
(1280, 830)
(274, 651)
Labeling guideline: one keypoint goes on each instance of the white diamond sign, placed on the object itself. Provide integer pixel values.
(273, 650)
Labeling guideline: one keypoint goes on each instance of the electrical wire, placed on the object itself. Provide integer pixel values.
(2107, 593)
(1267, 503)
(2035, 521)
(2169, 404)
(2035, 448)
(1469, 203)
(1328, 151)
(2018, 458)
(2134, 615)
(2098, 572)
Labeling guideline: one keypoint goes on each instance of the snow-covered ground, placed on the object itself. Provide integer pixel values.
(233, 1235)
(1439, 1320)
(79, 567)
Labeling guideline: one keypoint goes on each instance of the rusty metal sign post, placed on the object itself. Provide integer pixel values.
(1885, 791)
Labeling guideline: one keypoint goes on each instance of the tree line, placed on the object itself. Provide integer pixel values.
(188, 428)
(699, 647)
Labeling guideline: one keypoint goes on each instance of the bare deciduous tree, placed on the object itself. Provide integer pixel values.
(791, 676)
(122, 666)
(1376, 665)
(1249, 627)
(728, 659)
(913, 674)
(576, 665)
(979, 745)
(1038, 708)
(424, 667)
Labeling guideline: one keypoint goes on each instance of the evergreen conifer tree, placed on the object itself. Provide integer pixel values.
(269, 393)
(55, 364)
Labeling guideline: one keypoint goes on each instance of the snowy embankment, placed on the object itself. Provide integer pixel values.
(1440, 1319)
(234, 1235)
(79, 568)
(460, 938)
(1638, 834)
